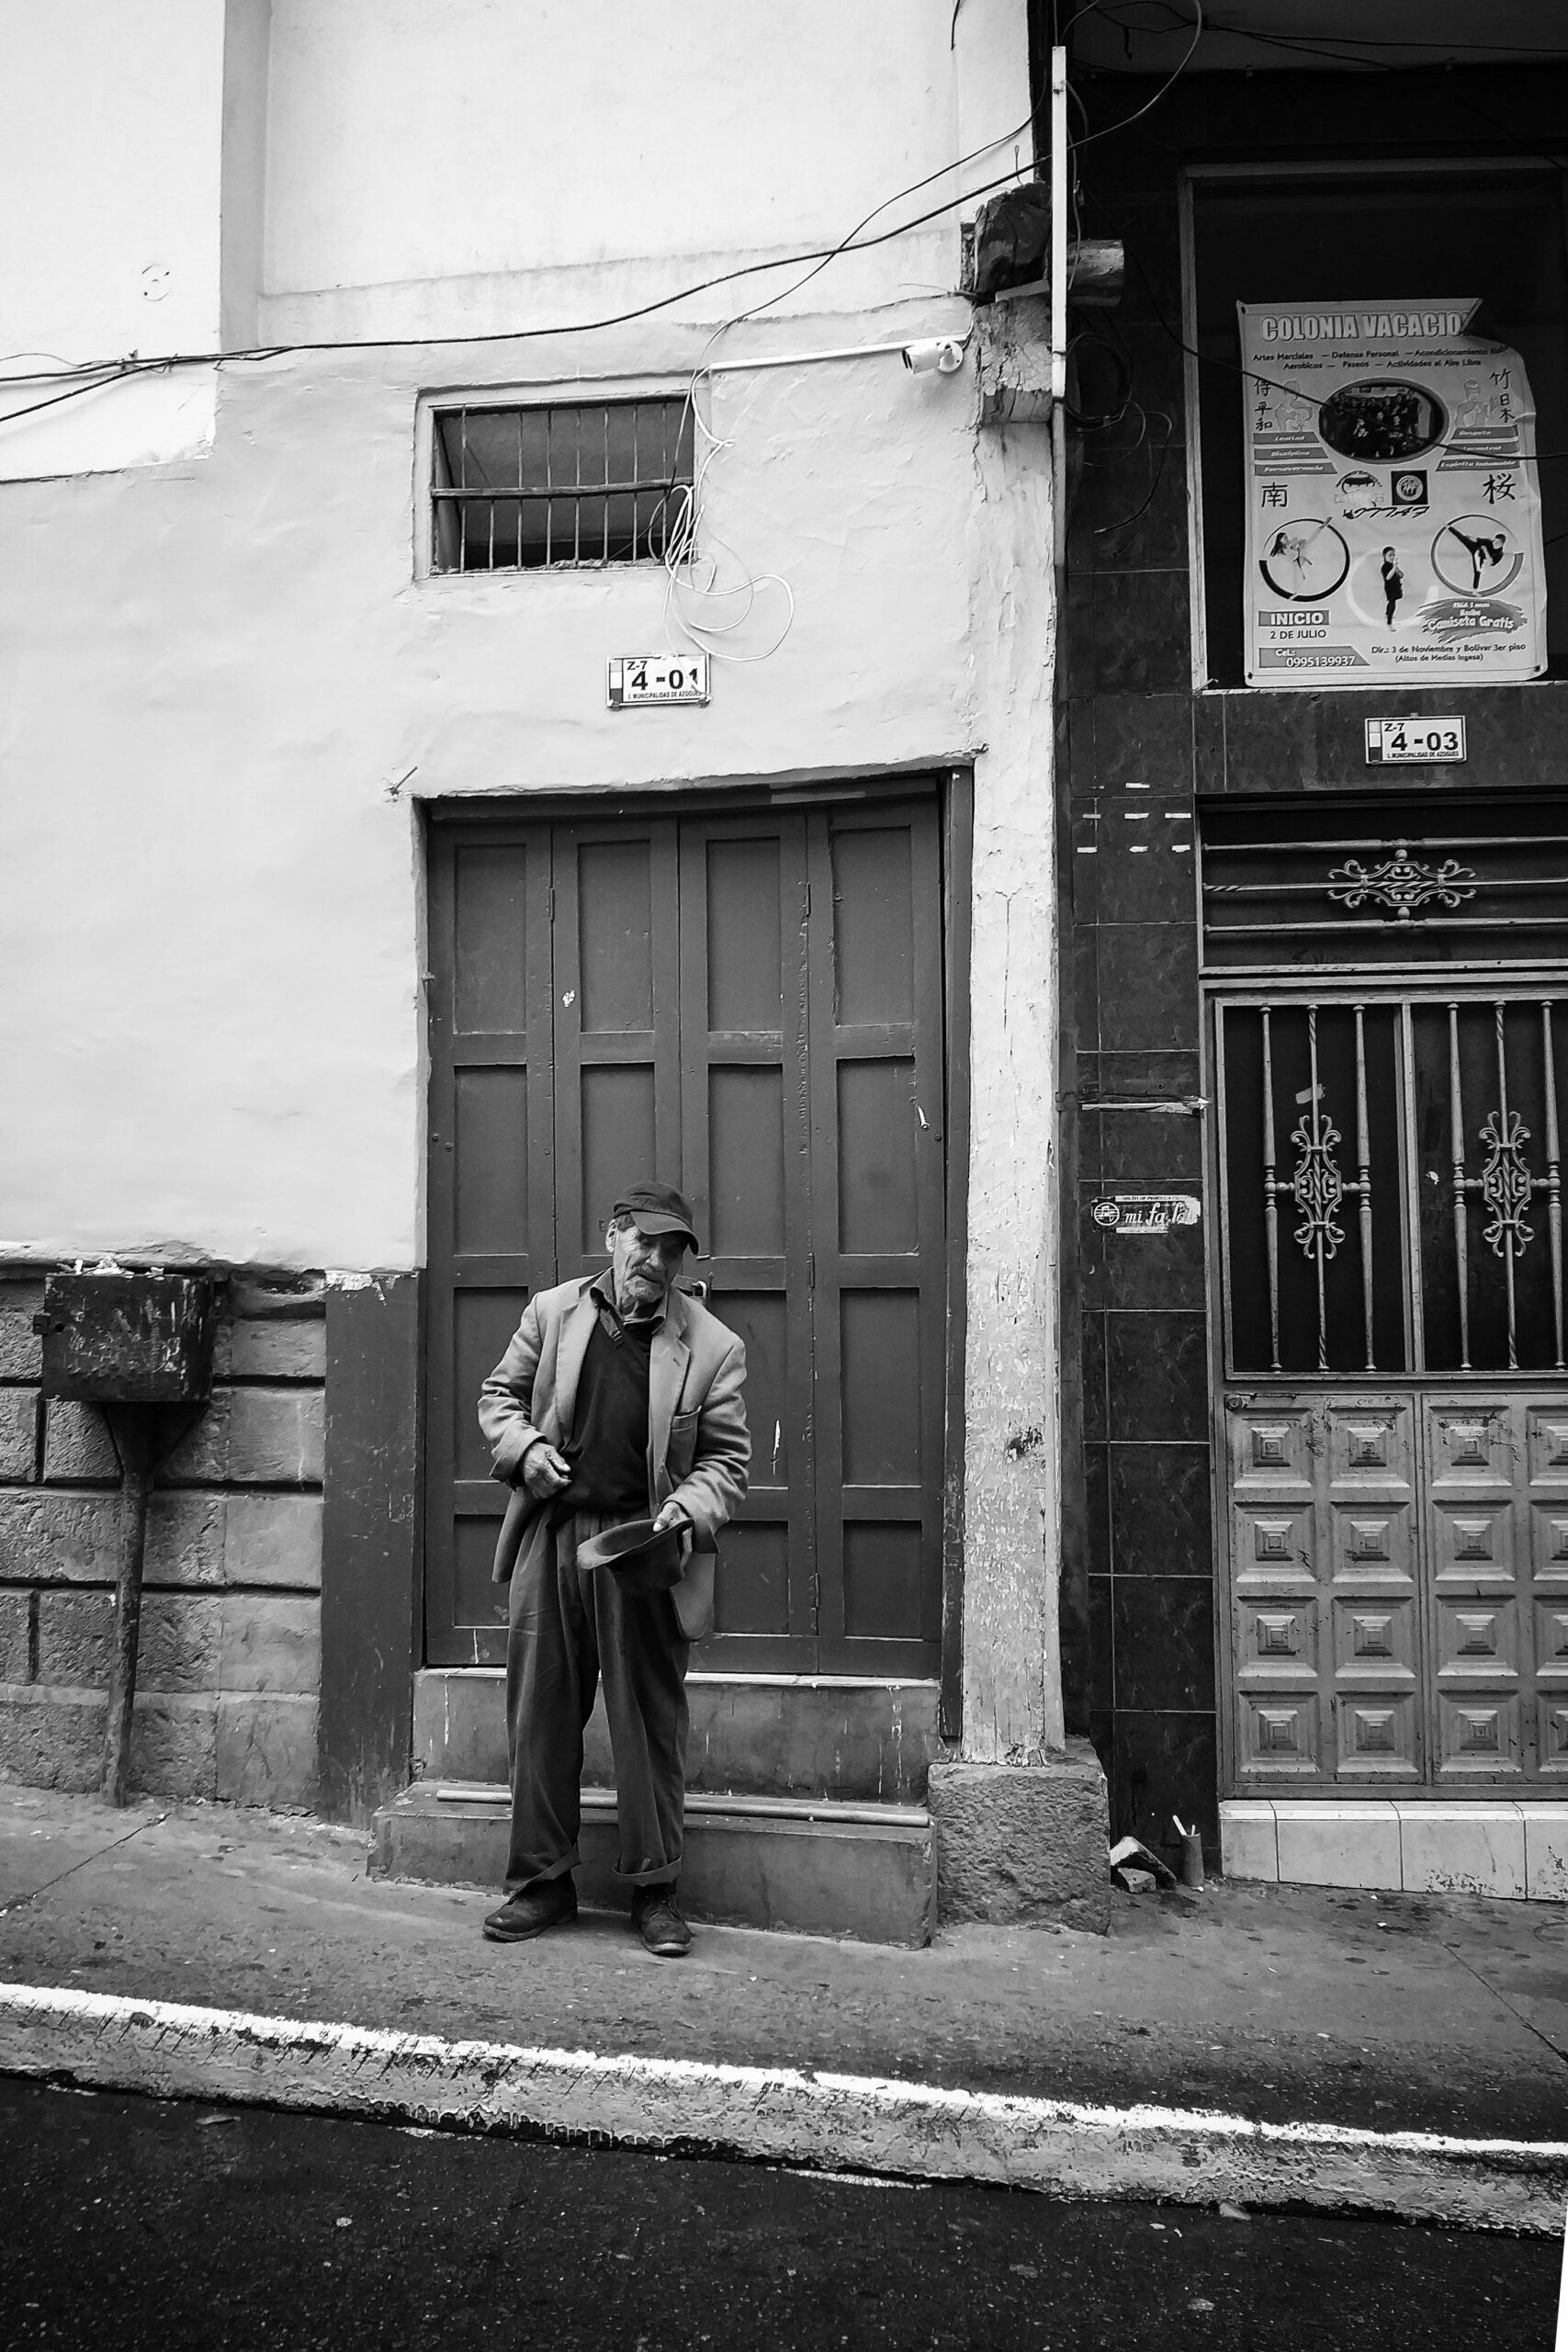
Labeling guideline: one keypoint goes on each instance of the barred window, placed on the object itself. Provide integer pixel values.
(515, 489)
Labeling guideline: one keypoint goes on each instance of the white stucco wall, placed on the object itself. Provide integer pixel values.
(487, 165)
(111, 160)
(110, 180)
(222, 683)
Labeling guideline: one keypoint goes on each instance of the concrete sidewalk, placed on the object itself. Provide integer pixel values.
(1280, 2010)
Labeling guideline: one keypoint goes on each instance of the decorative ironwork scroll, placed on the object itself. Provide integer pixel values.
(1402, 882)
(1317, 1184)
(1506, 1184)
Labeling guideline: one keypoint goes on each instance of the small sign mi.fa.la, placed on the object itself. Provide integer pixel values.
(1393, 741)
(654, 678)
(1146, 1211)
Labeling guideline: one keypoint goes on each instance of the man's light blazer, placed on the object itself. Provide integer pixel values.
(698, 1448)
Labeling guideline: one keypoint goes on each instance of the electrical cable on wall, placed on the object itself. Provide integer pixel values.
(691, 569)
(105, 371)
(695, 592)
(1309, 44)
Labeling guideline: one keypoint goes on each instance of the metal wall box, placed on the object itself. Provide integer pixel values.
(129, 1339)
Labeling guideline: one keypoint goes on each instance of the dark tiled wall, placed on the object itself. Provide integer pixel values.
(1142, 750)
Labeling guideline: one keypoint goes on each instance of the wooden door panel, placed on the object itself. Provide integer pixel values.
(616, 1023)
(743, 1123)
(746, 1164)
(879, 1158)
(482, 1324)
(875, 992)
(871, 861)
(494, 910)
(752, 1591)
(491, 1196)
(746, 874)
(490, 1127)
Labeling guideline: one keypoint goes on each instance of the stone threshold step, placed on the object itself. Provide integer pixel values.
(856, 1741)
(815, 1868)
(701, 1802)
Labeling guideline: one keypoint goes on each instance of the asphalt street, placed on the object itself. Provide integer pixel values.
(133, 2221)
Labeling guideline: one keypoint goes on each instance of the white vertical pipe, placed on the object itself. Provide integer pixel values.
(1059, 307)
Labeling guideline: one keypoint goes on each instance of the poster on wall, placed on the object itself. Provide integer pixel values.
(1393, 507)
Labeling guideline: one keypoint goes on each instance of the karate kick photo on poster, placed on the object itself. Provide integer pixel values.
(1393, 506)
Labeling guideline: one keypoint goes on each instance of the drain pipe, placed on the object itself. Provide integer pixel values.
(1059, 319)
(138, 1346)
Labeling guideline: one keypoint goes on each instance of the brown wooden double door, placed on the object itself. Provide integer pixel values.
(750, 1006)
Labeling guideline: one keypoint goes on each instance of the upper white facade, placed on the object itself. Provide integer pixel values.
(225, 683)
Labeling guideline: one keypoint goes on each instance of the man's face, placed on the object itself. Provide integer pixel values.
(643, 1265)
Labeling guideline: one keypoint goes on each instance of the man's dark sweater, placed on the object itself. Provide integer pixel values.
(608, 1451)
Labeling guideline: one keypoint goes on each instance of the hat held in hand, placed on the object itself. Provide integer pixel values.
(644, 1562)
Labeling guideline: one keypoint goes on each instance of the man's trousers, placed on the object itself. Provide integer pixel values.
(569, 1629)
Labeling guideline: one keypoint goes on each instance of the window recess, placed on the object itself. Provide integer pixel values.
(532, 488)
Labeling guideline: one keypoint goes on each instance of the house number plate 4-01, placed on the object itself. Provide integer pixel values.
(637, 678)
(1391, 740)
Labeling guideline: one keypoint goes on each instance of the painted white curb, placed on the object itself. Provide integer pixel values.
(829, 2121)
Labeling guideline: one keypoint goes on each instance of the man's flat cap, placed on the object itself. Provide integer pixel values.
(657, 1209)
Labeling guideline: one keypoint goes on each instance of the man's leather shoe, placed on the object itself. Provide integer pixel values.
(658, 1921)
(530, 1912)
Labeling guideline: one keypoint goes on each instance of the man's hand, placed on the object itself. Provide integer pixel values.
(545, 1473)
(671, 1515)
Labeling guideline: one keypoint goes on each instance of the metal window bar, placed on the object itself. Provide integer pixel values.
(1314, 1232)
(1509, 1236)
(1310, 884)
(463, 480)
(470, 513)
(1271, 1189)
(1364, 1187)
(1460, 1185)
(1553, 1181)
(1506, 1185)
(1414, 1285)
(1501, 921)
(1317, 1186)
(1383, 840)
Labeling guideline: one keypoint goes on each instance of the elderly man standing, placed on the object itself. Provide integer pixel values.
(619, 1400)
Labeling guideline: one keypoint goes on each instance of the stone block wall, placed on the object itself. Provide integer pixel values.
(228, 1679)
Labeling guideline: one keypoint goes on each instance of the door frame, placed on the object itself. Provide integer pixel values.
(800, 790)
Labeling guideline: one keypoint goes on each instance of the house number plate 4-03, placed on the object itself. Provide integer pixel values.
(637, 678)
(1391, 740)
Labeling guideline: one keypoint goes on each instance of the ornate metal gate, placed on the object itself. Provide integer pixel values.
(1395, 1401)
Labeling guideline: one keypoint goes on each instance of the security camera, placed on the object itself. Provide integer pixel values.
(941, 356)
